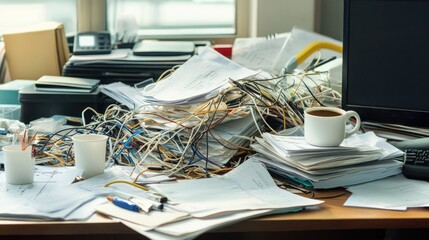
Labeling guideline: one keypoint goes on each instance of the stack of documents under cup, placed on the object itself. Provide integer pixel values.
(360, 158)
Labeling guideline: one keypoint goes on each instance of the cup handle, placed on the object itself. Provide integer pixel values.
(350, 114)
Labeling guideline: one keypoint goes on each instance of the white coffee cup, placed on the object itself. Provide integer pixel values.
(18, 164)
(90, 153)
(326, 126)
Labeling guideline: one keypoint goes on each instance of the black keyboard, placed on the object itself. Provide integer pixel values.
(416, 164)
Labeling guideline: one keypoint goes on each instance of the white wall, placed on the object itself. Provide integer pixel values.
(276, 16)
(331, 18)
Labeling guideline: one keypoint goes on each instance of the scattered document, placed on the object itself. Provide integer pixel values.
(46, 180)
(258, 53)
(395, 193)
(395, 132)
(204, 204)
(297, 41)
(248, 187)
(197, 80)
(49, 197)
(150, 219)
(124, 94)
(194, 227)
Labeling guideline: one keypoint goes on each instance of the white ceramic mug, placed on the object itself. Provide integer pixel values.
(18, 164)
(90, 154)
(326, 126)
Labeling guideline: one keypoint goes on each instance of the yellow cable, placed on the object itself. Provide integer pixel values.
(315, 46)
(127, 182)
(307, 51)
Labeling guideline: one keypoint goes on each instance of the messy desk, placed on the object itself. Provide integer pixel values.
(149, 148)
(352, 223)
(250, 147)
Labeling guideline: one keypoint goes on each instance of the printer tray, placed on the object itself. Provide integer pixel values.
(108, 73)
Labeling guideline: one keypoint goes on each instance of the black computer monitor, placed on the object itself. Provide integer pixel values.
(386, 60)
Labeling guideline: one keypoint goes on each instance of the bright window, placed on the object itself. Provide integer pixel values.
(17, 14)
(169, 18)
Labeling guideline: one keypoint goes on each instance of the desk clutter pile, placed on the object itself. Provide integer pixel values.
(215, 127)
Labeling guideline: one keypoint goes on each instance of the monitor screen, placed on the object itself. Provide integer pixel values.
(385, 68)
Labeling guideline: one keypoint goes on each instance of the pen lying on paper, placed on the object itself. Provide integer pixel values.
(144, 205)
(124, 204)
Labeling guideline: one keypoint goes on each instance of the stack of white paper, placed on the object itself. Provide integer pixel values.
(358, 159)
(199, 79)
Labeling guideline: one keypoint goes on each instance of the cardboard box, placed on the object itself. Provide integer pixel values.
(32, 53)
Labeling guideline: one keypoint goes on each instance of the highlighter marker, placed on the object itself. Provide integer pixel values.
(124, 204)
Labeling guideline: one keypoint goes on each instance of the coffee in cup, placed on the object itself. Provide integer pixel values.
(326, 126)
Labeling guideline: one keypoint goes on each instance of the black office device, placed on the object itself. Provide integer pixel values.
(386, 59)
(416, 158)
(37, 104)
(88, 43)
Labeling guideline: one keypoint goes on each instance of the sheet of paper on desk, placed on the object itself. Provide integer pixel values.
(96, 184)
(193, 227)
(393, 192)
(46, 179)
(248, 187)
(298, 40)
(23, 201)
(197, 80)
(63, 204)
(258, 53)
(124, 94)
(151, 219)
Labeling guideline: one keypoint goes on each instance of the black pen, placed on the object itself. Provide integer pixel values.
(320, 63)
(157, 197)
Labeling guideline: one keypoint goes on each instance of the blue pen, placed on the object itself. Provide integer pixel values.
(124, 204)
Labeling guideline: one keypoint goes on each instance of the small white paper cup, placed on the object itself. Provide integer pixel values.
(90, 154)
(18, 164)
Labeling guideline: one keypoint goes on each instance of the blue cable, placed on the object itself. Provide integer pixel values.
(125, 145)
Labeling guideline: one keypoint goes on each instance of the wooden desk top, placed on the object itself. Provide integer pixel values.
(332, 215)
(328, 216)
